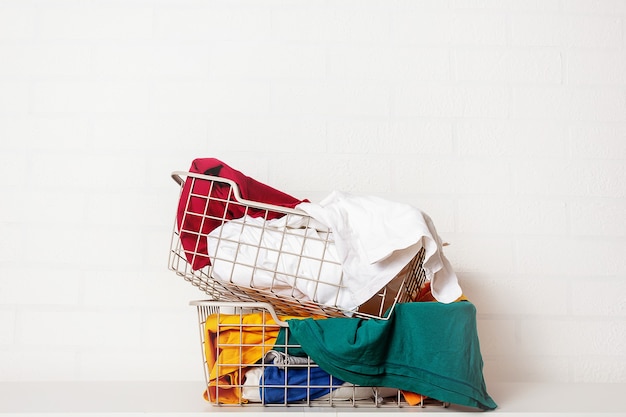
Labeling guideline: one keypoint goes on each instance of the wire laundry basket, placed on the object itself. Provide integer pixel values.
(249, 359)
(286, 259)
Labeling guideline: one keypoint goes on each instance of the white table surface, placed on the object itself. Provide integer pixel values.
(164, 399)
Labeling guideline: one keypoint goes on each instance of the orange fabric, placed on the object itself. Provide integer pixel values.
(412, 398)
(231, 344)
(426, 295)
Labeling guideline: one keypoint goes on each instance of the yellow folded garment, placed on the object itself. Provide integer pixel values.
(232, 343)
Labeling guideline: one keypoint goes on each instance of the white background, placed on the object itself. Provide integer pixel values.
(504, 120)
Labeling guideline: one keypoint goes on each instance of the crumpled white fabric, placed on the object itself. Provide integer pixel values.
(375, 238)
(280, 256)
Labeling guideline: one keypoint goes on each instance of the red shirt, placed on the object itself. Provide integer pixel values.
(198, 214)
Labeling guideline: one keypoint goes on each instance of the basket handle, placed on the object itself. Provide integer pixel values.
(256, 304)
(176, 177)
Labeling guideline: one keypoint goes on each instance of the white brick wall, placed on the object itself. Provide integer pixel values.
(504, 120)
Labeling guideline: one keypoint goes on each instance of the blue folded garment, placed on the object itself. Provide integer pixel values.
(281, 385)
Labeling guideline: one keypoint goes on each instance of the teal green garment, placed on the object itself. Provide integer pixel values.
(427, 348)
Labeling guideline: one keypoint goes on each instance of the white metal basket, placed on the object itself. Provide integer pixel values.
(247, 355)
(261, 276)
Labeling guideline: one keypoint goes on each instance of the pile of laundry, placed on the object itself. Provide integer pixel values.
(426, 349)
(373, 239)
(340, 252)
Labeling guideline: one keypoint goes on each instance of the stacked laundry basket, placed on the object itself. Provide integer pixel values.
(270, 269)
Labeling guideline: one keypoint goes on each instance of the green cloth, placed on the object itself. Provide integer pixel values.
(427, 348)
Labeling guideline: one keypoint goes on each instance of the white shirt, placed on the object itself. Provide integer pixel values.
(375, 238)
